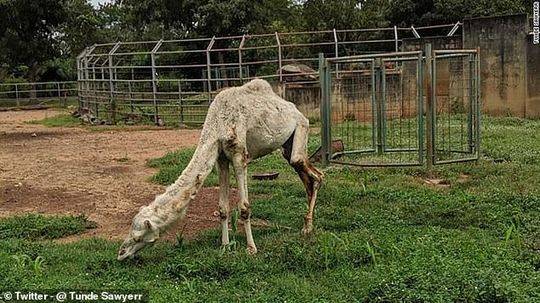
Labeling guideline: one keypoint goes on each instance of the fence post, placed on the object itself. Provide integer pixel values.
(420, 107)
(325, 111)
(478, 103)
(79, 88)
(17, 95)
(112, 101)
(130, 98)
(208, 71)
(181, 105)
(428, 83)
(379, 99)
(471, 92)
(241, 72)
(279, 58)
(336, 49)
(62, 101)
(396, 38)
(154, 80)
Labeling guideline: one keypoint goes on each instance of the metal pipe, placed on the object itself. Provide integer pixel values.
(453, 30)
(112, 101)
(154, 80)
(351, 58)
(428, 82)
(455, 51)
(279, 58)
(415, 33)
(396, 38)
(208, 71)
(241, 72)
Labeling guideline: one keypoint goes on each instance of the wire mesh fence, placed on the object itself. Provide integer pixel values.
(455, 106)
(377, 106)
(174, 81)
(37, 93)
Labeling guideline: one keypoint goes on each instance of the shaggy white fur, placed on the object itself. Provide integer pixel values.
(243, 123)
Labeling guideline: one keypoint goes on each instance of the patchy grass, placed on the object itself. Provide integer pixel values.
(67, 120)
(60, 120)
(40, 227)
(382, 235)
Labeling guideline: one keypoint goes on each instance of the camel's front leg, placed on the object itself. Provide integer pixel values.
(224, 187)
(240, 168)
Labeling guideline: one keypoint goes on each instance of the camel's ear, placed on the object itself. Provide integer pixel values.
(148, 224)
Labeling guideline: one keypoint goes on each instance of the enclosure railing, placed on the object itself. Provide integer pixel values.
(37, 93)
(401, 108)
(174, 81)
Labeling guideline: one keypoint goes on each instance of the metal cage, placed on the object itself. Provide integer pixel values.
(173, 81)
(401, 108)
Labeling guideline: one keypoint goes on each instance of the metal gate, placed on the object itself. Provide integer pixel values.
(401, 109)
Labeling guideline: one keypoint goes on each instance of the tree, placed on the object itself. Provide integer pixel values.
(27, 35)
(429, 12)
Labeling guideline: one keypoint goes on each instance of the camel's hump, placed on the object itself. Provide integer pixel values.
(258, 85)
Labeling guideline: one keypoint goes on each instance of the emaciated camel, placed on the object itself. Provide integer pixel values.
(242, 124)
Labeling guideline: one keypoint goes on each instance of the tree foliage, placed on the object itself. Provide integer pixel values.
(39, 39)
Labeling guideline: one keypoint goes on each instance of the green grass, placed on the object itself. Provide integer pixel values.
(67, 120)
(60, 120)
(382, 235)
(39, 227)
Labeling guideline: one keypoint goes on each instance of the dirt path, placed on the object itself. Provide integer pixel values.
(101, 174)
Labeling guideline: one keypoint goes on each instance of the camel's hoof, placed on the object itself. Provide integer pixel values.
(251, 250)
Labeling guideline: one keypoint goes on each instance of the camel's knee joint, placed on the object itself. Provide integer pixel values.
(297, 161)
(245, 213)
(223, 214)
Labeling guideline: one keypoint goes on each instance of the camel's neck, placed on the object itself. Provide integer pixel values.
(171, 205)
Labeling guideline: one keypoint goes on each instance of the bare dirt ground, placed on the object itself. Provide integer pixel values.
(101, 174)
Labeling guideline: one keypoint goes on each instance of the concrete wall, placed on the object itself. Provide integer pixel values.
(503, 59)
(441, 42)
(532, 106)
(510, 67)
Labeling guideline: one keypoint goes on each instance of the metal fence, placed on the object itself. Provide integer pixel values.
(173, 81)
(401, 108)
(37, 93)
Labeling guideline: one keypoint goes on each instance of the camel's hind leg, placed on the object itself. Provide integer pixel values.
(224, 188)
(295, 151)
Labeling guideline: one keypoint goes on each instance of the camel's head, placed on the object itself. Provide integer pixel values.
(143, 232)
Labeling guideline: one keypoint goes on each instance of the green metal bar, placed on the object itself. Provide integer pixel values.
(478, 103)
(378, 106)
(376, 164)
(325, 123)
(383, 106)
(434, 108)
(373, 106)
(401, 149)
(472, 98)
(353, 152)
(457, 151)
(428, 81)
(456, 160)
(328, 109)
(420, 108)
